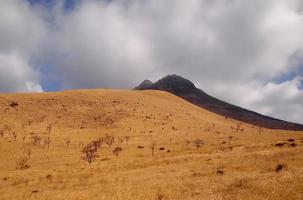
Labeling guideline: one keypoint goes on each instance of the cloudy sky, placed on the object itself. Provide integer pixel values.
(246, 52)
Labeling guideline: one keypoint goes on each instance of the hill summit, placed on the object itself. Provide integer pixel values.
(185, 89)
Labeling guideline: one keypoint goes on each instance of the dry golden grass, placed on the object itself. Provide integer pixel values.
(235, 161)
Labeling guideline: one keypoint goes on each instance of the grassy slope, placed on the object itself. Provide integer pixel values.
(248, 158)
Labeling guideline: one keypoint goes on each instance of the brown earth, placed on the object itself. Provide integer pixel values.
(235, 160)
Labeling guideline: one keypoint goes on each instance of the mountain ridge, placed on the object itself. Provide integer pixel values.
(185, 89)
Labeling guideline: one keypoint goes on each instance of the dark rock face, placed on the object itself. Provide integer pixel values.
(185, 89)
(174, 84)
(146, 84)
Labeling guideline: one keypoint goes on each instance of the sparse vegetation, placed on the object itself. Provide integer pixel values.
(90, 153)
(184, 161)
(36, 139)
(67, 141)
(47, 141)
(49, 128)
(22, 163)
(198, 143)
(14, 134)
(117, 151)
(152, 147)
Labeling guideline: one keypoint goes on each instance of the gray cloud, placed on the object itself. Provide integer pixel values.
(232, 49)
(21, 32)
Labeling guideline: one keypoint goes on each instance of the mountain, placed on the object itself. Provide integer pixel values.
(185, 89)
(144, 85)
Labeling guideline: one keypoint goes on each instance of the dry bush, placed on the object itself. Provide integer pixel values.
(36, 139)
(109, 140)
(67, 141)
(198, 143)
(49, 128)
(187, 142)
(90, 153)
(22, 163)
(14, 104)
(14, 134)
(97, 143)
(120, 140)
(116, 151)
(152, 147)
(47, 141)
(1, 133)
(28, 152)
(260, 130)
(127, 139)
(159, 196)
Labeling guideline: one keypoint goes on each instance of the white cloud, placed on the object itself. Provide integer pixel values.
(16, 75)
(21, 33)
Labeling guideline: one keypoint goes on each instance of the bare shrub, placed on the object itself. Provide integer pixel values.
(47, 141)
(260, 130)
(116, 151)
(159, 195)
(14, 134)
(109, 140)
(152, 147)
(90, 153)
(28, 152)
(7, 128)
(22, 163)
(67, 141)
(96, 143)
(127, 139)
(36, 139)
(120, 140)
(198, 143)
(49, 128)
(279, 167)
(14, 104)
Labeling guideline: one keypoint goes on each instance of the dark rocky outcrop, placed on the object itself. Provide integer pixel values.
(146, 84)
(185, 89)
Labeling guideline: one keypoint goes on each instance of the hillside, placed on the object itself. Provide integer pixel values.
(185, 89)
(197, 154)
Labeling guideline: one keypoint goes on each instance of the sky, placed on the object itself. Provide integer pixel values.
(248, 53)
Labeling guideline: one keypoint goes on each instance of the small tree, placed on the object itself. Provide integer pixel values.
(49, 128)
(120, 140)
(47, 141)
(198, 143)
(109, 140)
(14, 134)
(96, 143)
(116, 151)
(260, 130)
(127, 139)
(22, 163)
(152, 147)
(28, 152)
(36, 139)
(67, 141)
(90, 153)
